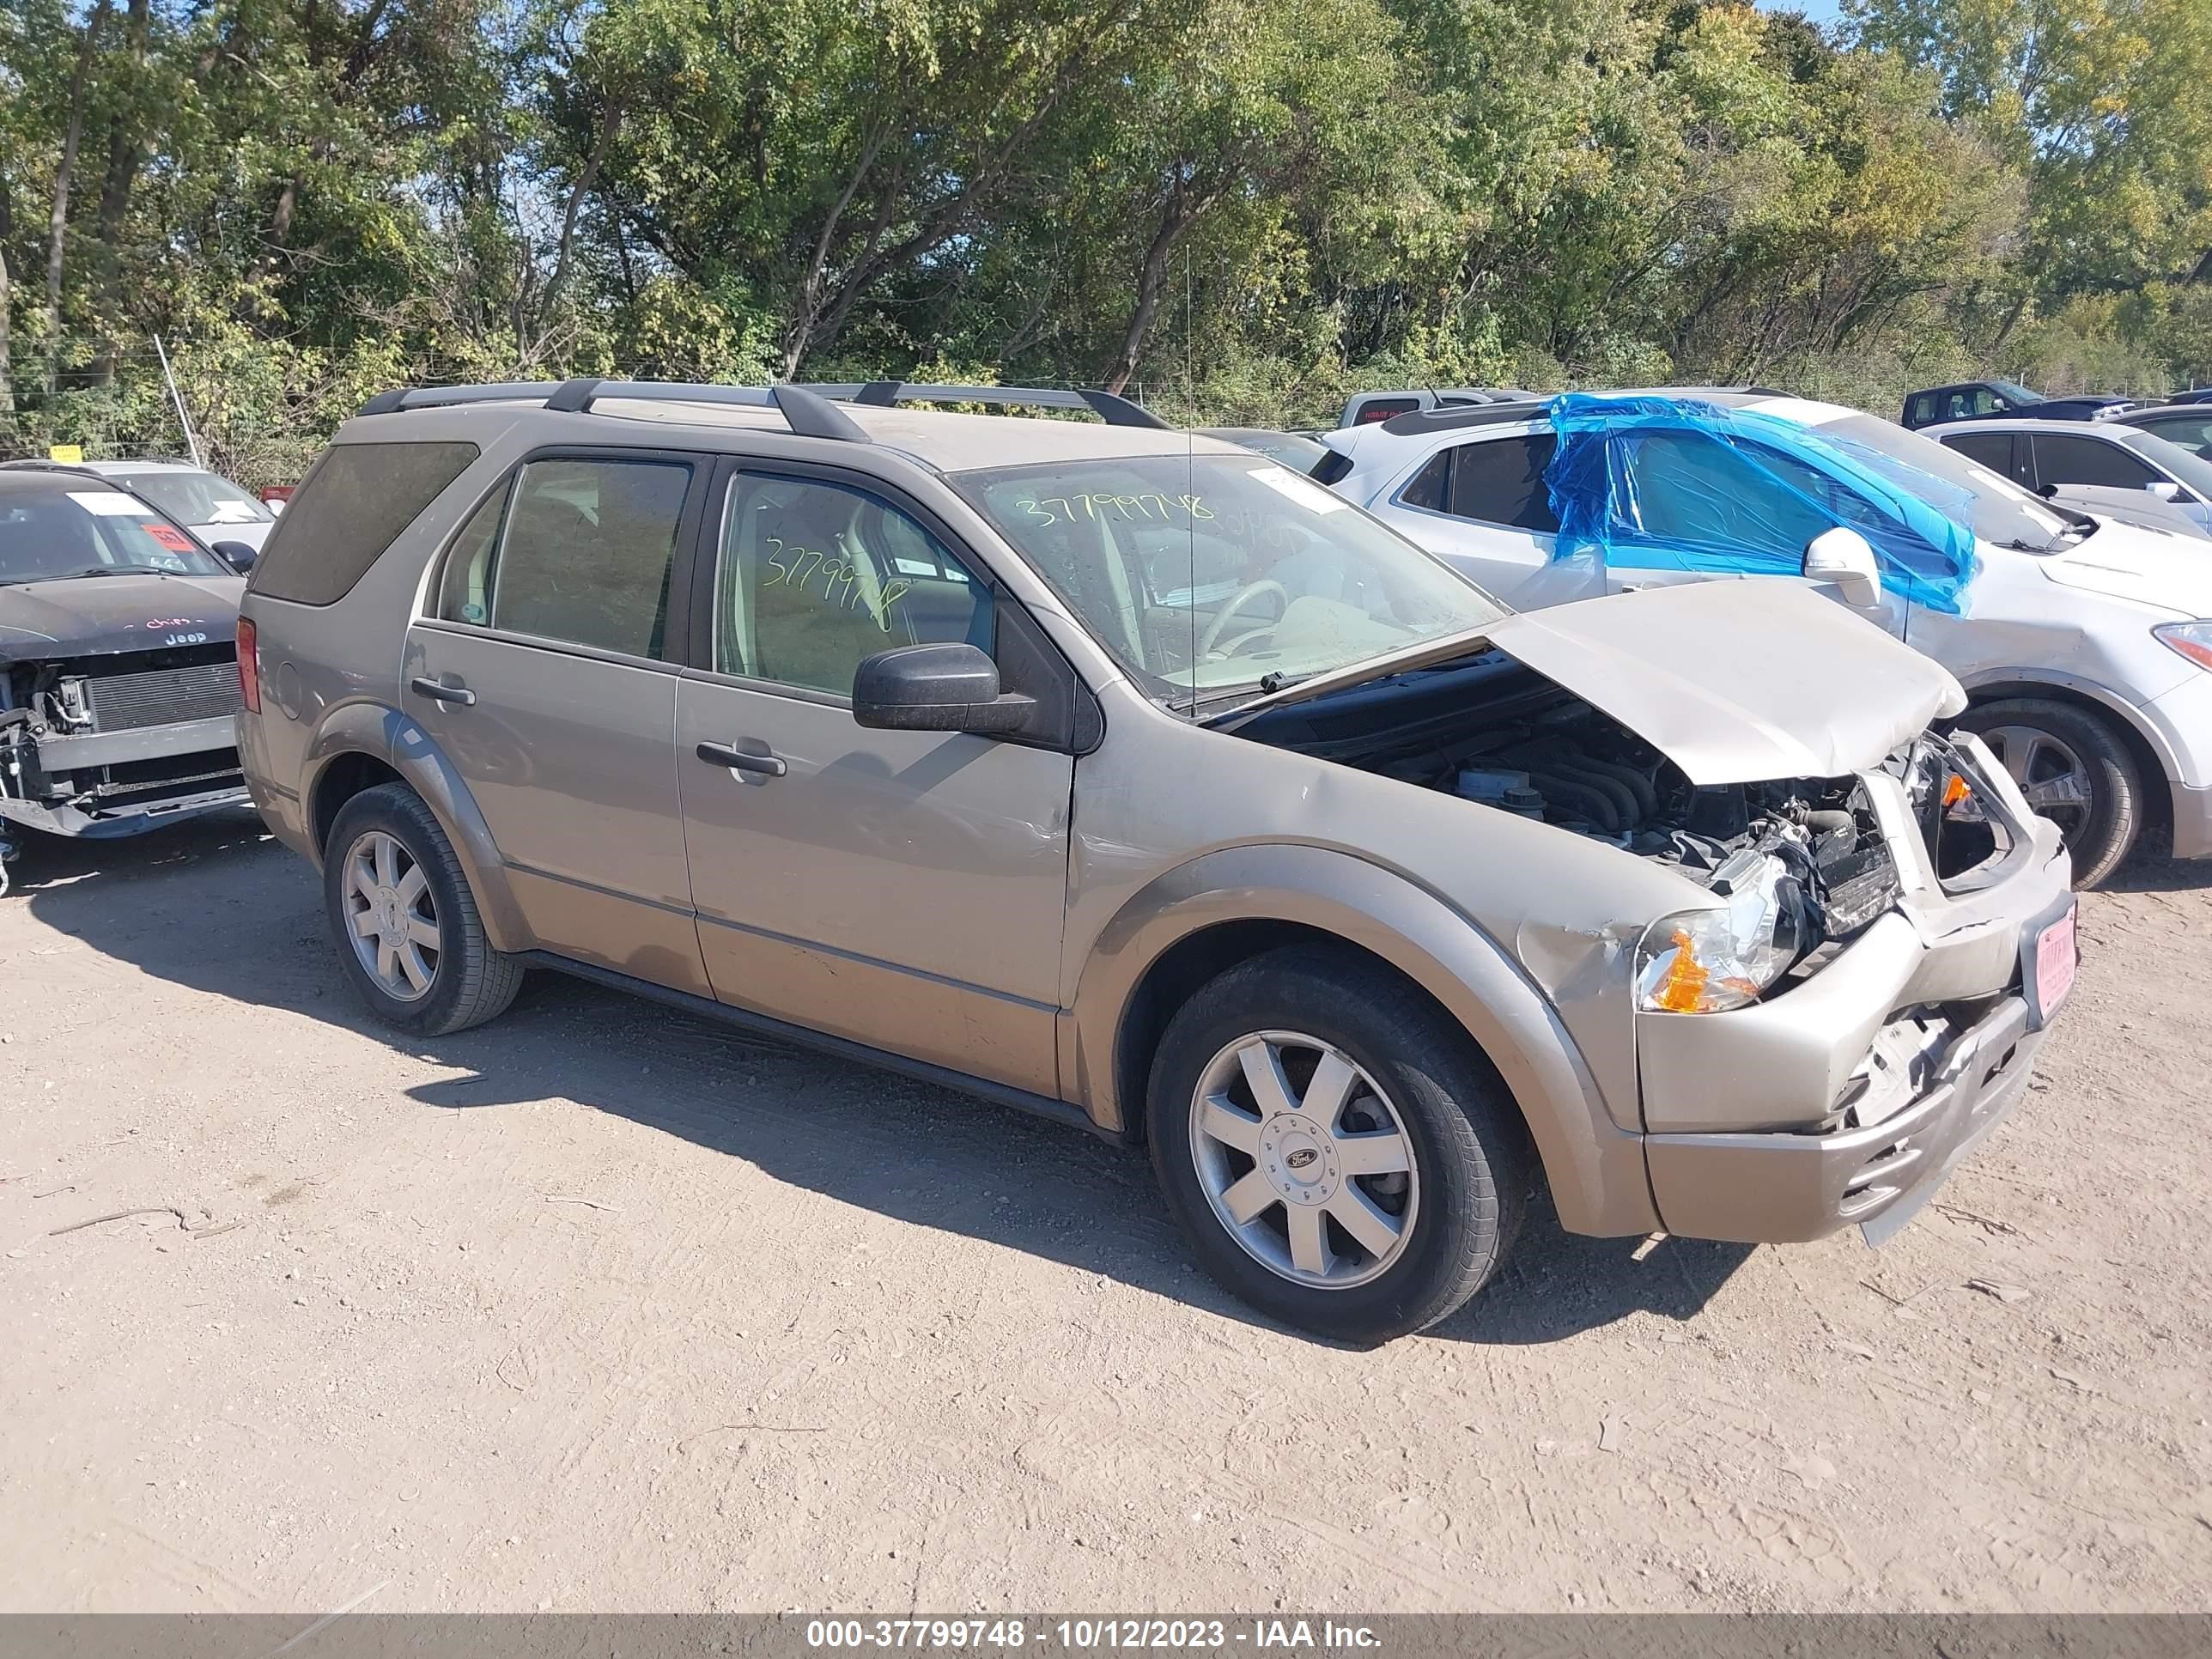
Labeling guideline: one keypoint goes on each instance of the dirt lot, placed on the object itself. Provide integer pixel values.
(601, 1307)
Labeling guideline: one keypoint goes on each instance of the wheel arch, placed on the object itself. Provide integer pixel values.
(1224, 908)
(362, 745)
(2159, 768)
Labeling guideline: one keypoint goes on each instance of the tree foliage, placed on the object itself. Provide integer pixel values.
(1239, 210)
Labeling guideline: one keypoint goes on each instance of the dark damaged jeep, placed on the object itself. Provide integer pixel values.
(119, 666)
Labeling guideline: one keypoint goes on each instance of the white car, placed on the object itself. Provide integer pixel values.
(2085, 644)
(209, 505)
(2098, 463)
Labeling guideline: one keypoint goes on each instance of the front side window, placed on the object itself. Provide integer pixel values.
(578, 551)
(2070, 460)
(1693, 490)
(815, 577)
(1209, 576)
(1992, 449)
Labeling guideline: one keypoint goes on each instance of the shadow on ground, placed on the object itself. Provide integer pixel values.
(215, 905)
(2154, 870)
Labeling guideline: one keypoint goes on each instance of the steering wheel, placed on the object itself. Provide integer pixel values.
(1250, 590)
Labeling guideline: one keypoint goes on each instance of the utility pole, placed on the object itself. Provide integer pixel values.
(191, 444)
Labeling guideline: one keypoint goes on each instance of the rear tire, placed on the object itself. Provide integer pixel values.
(2086, 776)
(404, 921)
(1396, 1252)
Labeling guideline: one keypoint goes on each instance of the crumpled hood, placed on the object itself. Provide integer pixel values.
(1739, 681)
(2174, 573)
(97, 616)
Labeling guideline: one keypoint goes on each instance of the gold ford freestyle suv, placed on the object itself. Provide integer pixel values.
(1128, 777)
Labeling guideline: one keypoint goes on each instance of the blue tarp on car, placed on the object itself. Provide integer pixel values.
(1666, 484)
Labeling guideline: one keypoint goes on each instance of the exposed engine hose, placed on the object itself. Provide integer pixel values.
(1576, 769)
(1594, 803)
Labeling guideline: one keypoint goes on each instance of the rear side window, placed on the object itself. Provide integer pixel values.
(580, 550)
(1427, 490)
(1501, 481)
(352, 505)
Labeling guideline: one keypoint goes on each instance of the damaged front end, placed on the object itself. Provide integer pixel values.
(1849, 1003)
(116, 743)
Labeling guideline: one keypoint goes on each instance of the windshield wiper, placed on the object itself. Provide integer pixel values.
(1279, 681)
(117, 570)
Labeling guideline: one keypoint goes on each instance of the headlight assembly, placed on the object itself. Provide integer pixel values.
(1705, 962)
(2192, 639)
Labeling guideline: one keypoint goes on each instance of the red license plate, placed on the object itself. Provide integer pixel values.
(2057, 958)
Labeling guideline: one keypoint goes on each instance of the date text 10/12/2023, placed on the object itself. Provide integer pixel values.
(1092, 1634)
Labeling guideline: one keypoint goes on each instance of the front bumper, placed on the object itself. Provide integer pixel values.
(2182, 720)
(108, 785)
(1848, 1097)
(2192, 822)
(1786, 1188)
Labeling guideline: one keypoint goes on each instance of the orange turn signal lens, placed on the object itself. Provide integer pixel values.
(1956, 789)
(1684, 988)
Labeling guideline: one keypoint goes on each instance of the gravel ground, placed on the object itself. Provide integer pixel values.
(602, 1308)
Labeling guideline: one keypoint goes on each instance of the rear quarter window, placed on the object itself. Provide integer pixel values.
(351, 506)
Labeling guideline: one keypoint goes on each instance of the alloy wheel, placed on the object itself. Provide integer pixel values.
(1305, 1160)
(391, 918)
(2053, 777)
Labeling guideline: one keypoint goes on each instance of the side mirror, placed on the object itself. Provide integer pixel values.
(238, 555)
(2163, 489)
(951, 687)
(1844, 559)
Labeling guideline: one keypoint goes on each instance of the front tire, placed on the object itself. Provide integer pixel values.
(1341, 1154)
(2075, 770)
(404, 921)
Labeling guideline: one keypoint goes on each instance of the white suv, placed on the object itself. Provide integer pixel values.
(2084, 642)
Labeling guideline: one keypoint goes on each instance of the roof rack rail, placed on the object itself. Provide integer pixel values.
(810, 408)
(1110, 407)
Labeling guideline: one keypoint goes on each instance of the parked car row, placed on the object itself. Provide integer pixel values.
(2081, 642)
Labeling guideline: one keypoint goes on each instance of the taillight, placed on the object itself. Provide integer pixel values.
(249, 667)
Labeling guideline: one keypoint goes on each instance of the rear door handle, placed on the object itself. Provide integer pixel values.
(440, 691)
(720, 754)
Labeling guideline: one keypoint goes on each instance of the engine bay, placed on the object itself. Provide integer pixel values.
(1527, 746)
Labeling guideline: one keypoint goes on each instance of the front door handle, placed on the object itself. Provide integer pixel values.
(440, 691)
(720, 754)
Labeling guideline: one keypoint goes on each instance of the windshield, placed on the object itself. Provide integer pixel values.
(1991, 506)
(2016, 392)
(1210, 577)
(2191, 431)
(2176, 462)
(55, 532)
(196, 497)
